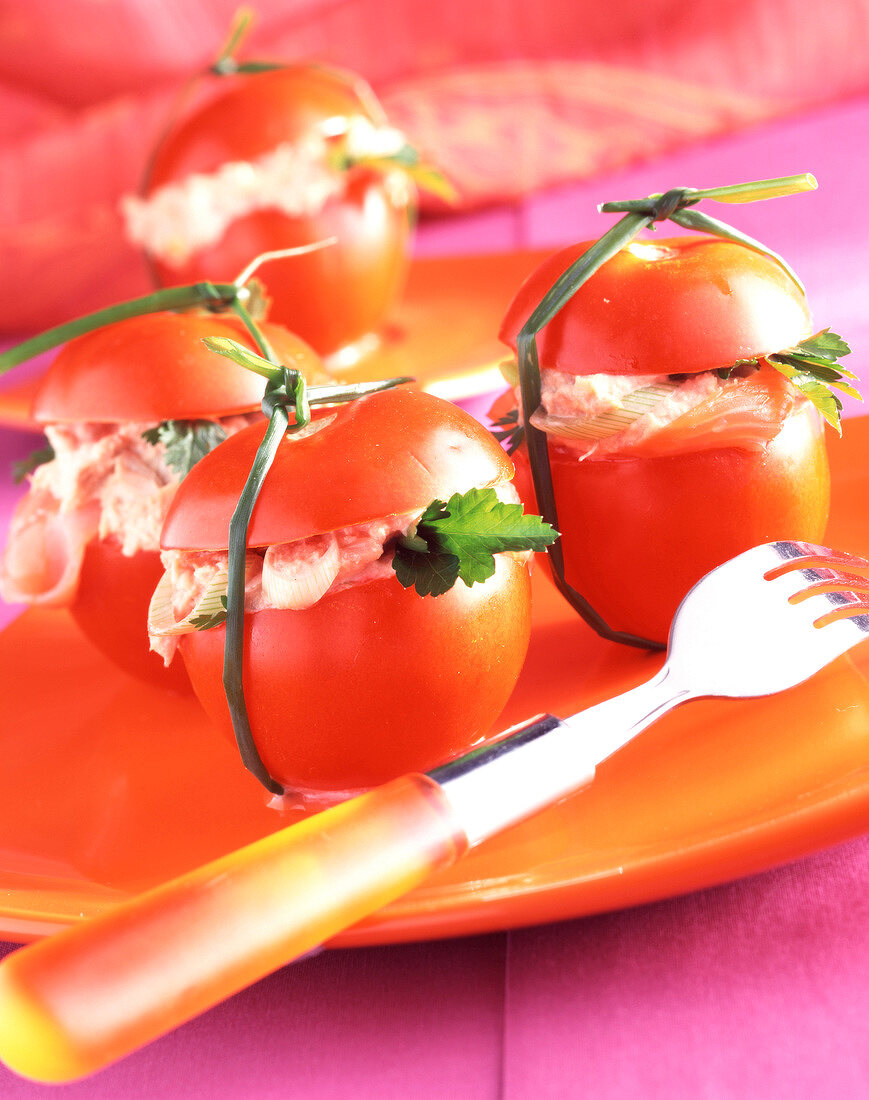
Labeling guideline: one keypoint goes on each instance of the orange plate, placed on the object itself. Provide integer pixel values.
(442, 332)
(109, 786)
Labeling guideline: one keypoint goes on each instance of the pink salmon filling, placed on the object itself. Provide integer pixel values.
(105, 482)
(568, 400)
(293, 575)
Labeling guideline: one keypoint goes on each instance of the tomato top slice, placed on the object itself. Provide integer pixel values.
(675, 306)
(387, 454)
(258, 112)
(155, 367)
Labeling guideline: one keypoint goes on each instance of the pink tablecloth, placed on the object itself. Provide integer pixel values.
(755, 989)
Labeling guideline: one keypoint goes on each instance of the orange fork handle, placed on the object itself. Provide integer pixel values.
(75, 1002)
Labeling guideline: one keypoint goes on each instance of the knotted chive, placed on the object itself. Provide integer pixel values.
(638, 214)
(285, 389)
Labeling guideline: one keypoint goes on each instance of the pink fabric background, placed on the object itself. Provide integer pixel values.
(755, 989)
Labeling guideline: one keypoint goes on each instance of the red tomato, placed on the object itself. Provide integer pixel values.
(637, 533)
(333, 297)
(675, 306)
(640, 526)
(155, 367)
(111, 610)
(373, 680)
(390, 453)
(146, 370)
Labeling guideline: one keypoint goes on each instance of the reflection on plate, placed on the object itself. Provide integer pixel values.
(109, 786)
(443, 332)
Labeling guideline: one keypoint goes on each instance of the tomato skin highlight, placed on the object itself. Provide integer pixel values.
(637, 533)
(333, 297)
(373, 681)
(680, 305)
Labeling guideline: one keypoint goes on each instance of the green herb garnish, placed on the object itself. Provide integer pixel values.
(25, 466)
(186, 441)
(425, 175)
(212, 620)
(458, 540)
(812, 367)
(510, 431)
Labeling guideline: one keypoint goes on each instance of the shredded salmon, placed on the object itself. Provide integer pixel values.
(704, 412)
(746, 413)
(105, 481)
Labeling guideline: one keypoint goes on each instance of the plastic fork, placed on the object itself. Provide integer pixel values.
(762, 622)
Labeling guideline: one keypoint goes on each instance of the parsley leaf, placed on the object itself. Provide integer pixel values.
(461, 538)
(430, 573)
(26, 466)
(186, 441)
(512, 432)
(212, 620)
(812, 367)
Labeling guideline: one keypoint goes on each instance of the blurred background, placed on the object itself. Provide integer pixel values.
(510, 99)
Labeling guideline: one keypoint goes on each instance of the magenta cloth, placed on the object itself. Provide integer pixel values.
(755, 989)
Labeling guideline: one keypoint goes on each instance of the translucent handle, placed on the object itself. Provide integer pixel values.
(75, 1002)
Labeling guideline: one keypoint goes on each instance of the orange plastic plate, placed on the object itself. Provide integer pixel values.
(109, 786)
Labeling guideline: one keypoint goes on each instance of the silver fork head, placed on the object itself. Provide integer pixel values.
(749, 628)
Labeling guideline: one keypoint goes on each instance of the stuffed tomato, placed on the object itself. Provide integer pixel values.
(277, 160)
(126, 409)
(674, 442)
(349, 678)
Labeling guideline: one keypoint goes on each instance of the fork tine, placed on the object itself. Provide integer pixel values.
(855, 611)
(797, 555)
(748, 628)
(832, 580)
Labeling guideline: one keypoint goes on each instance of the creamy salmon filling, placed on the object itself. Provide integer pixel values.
(604, 414)
(289, 576)
(104, 482)
(296, 179)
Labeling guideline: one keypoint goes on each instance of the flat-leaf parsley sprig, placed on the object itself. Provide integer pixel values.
(185, 442)
(458, 540)
(812, 366)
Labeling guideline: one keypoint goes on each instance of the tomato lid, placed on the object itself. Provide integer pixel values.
(155, 367)
(387, 454)
(675, 306)
(256, 113)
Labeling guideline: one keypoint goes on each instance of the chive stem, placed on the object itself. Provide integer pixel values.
(233, 654)
(759, 190)
(238, 31)
(696, 219)
(756, 191)
(257, 335)
(294, 390)
(176, 297)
